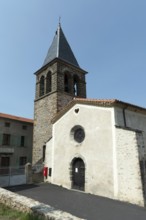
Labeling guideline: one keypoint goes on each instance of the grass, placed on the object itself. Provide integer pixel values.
(7, 213)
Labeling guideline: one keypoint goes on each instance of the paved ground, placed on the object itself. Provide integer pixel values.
(80, 204)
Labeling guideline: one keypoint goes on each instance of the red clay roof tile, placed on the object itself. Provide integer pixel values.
(97, 102)
(17, 118)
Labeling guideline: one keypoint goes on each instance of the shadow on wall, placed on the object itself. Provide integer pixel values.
(34, 174)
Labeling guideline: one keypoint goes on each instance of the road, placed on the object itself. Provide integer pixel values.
(81, 204)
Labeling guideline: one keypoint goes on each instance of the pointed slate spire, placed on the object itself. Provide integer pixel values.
(61, 49)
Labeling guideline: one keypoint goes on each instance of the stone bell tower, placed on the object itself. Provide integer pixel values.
(58, 81)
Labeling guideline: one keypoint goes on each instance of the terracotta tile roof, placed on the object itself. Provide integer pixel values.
(95, 101)
(16, 118)
(98, 102)
(107, 102)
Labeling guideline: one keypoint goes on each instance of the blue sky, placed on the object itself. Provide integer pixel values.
(108, 38)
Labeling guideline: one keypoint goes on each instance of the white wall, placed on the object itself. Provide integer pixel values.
(96, 150)
(129, 176)
(110, 153)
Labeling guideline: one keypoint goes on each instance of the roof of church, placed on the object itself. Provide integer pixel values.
(16, 118)
(98, 102)
(61, 49)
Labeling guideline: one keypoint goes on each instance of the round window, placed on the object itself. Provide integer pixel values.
(78, 134)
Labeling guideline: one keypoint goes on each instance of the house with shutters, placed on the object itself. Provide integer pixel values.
(97, 146)
(16, 135)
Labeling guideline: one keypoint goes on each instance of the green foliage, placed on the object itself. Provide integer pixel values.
(7, 213)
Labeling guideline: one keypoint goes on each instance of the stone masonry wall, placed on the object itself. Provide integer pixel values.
(62, 101)
(128, 168)
(45, 109)
(24, 204)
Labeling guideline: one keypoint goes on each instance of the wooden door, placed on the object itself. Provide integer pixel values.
(78, 174)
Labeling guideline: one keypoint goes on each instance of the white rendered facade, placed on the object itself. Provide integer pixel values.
(111, 151)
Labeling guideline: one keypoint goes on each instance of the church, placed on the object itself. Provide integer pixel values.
(93, 145)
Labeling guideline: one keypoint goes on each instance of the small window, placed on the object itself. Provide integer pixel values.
(7, 124)
(24, 127)
(48, 82)
(78, 133)
(44, 151)
(42, 85)
(22, 161)
(22, 143)
(6, 139)
(50, 171)
(5, 161)
(66, 83)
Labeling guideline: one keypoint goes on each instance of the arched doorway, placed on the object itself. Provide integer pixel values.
(78, 174)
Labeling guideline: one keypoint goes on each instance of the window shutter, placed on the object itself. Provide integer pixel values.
(26, 141)
(15, 140)
(1, 138)
(18, 141)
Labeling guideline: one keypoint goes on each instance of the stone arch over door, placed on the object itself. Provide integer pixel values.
(78, 174)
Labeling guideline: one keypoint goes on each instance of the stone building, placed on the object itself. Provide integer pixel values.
(93, 145)
(15, 140)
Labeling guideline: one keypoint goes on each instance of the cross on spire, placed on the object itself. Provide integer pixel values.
(59, 20)
(60, 48)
